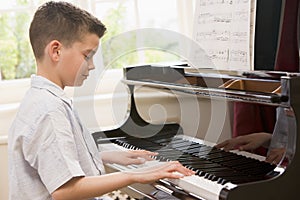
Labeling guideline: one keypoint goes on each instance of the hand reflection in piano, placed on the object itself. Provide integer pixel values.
(280, 142)
(246, 142)
(251, 142)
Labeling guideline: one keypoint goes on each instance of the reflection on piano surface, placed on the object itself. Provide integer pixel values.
(219, 174)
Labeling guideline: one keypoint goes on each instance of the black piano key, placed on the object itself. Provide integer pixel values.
(198, 147)
(224, 174)
(222, 181)
(190, 151)
(205, 152)
(187, 148)
(200, 173)
(207, 175)
(216, 156)
(163, 141)
(220, 171)
(259, 170)
(203, 149)
(243, 179)
(169, 152)
(226, 157)
(240, 161)
(181, 144)
(246, 165)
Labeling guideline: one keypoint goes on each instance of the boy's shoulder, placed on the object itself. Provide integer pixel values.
(44, 93)
(41, 102)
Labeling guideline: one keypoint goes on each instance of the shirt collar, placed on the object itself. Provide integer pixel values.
(43, 83)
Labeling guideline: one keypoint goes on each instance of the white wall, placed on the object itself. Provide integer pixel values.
(3, 168)
(11, 93)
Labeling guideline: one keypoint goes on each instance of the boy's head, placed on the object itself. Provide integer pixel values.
(64, 39)
(63, 22)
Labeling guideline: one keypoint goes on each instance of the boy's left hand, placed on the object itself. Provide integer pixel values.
(127, 157)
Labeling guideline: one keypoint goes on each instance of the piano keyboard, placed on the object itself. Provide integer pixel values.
(215, 169)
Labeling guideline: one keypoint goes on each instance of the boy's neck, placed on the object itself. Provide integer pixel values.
(45, 72)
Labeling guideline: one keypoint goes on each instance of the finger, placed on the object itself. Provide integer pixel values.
(175, 166)
(247, 147)
(136, 161)
(271, 158)
(173, 175)
(229, 146)
(277, 160)
(222, 144)
(185, 171)
(142, 153)
(148, 155)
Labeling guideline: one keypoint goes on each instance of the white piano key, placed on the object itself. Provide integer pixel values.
(199, 186)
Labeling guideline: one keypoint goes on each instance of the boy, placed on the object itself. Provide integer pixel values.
(51, 154)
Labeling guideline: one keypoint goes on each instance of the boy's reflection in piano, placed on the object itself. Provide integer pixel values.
(280, 143)
(251, 142)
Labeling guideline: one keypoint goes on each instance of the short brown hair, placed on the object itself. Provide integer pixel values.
(61, 21)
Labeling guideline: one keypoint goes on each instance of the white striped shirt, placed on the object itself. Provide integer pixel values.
(48, 144)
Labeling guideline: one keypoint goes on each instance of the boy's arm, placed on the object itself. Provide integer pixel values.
(127, 157)
(87, 187)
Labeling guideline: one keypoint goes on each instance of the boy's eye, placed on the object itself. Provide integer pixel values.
(87, 57)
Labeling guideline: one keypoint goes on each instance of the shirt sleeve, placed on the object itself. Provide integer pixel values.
(51, 150)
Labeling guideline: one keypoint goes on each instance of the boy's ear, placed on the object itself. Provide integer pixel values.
(54, 49)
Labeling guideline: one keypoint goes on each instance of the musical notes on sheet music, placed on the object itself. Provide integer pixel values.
(213, 35)
(227, 55)
(205, 18)
(221, 2)
(219, 54)
(223, 28)
(222, 35)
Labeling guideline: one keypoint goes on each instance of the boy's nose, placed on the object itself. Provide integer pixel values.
(91, 67)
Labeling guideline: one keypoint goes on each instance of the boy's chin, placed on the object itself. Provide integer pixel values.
(78, 83)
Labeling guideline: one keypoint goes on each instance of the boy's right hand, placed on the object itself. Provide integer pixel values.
(172, 170)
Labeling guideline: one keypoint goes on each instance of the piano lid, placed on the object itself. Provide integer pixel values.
(264, 87)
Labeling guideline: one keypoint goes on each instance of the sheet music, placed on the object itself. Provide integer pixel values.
(224, 29)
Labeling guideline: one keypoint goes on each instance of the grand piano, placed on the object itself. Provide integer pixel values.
(219, 174)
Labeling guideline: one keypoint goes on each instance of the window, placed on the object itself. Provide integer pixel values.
(123, 18)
